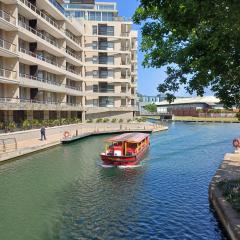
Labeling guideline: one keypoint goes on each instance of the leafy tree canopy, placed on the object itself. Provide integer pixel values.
(198, 41)
(151, 107)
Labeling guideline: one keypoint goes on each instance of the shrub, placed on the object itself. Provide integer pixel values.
(1, 125)
(129, 120)
(106, 120)
(56, 122)
(120, 120)
(99, 120)
(11, 125)
(114, 120)
(35, 123)
(26, 124)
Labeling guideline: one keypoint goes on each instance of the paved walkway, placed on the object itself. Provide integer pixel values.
(30, 141)
(228, 170)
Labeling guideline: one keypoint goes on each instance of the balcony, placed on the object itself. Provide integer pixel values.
(6, 75)
(8, 49)
(7, 22)
(57, 6)
(75, 59)
(73, 39)
(42, 15)
(30, 104)
(39, 34)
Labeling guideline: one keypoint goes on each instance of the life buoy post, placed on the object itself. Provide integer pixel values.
(66, 134)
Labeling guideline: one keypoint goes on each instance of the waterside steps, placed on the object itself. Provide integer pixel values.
(69, 137)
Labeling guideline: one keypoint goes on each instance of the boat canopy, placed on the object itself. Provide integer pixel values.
(129, 137)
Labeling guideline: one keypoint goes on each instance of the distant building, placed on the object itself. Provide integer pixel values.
(189, 106)
(151, 99)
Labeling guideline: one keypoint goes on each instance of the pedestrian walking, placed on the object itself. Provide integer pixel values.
(43, 133)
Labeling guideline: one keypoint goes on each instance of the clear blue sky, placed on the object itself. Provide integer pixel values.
(148, 79)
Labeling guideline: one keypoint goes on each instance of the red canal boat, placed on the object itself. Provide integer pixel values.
(127, 149)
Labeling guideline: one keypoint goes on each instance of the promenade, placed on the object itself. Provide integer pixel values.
(29, 141)
(228, 170)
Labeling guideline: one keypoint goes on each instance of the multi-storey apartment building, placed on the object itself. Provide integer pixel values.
(55, 62)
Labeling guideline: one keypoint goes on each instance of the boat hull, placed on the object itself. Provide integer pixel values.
(124, 160)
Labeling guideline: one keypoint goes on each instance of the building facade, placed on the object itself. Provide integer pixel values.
(55, 65)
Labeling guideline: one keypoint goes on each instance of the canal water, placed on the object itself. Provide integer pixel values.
(64, 193)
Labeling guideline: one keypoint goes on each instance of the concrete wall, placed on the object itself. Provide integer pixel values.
(111, 115)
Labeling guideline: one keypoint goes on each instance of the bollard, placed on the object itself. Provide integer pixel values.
(76, 133)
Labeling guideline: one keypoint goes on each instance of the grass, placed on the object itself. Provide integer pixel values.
(231, 192)
(196, 119)
(207, 119)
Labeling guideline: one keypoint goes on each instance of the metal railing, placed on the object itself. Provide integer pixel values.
(43, 15)
(7, 17)
(72, 37)
(7, 45)
(73, 88)
(22, 75)
(73, 54)
(9, 74)
(8, 144)
(39, 34)
(40, 57)
(35, 101)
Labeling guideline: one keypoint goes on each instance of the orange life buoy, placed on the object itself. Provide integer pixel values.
(236, 143)
(66, 134)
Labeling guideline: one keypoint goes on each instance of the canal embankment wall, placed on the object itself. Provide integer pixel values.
(230, 219)
(29, 141)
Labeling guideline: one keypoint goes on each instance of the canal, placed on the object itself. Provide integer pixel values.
(64, 193)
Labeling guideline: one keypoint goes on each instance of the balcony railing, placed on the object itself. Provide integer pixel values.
(7, 17)
(72, 37)
(72, 71)
(22, 75)
(40, 57)
(43, 15)
(22, 101)
(39, 34)
(73, 88)
(7, 45)
(73, 55)
(9, 74)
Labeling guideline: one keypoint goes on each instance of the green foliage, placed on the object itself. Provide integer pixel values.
(129, 120)
(11, 125)
(26, 124)
(238, 116)
(114, 120)
(231, 192)
(198, 42)
(1, 125)
(99, 120)
(106, 120)
(120, 120)
(151, 107)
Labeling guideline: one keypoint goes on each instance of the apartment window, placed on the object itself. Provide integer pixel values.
(106, 30)
(95, 73)
(95, 59)
(94, 45)
(94, 30)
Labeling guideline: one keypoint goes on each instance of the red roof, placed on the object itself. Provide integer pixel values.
(129, 137)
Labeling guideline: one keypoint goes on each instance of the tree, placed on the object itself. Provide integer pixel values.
(151, 107)
(199, 43)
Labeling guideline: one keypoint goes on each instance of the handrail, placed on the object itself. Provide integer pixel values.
(38, 56)
(72, 37)
(6, 16)
(33, 101)
(22, 75)
(8, 73)
(73, 55)
(7, 45)
(5, 144)
(39, 34)
(43, 15)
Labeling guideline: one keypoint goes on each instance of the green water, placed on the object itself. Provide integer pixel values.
(64, 193)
